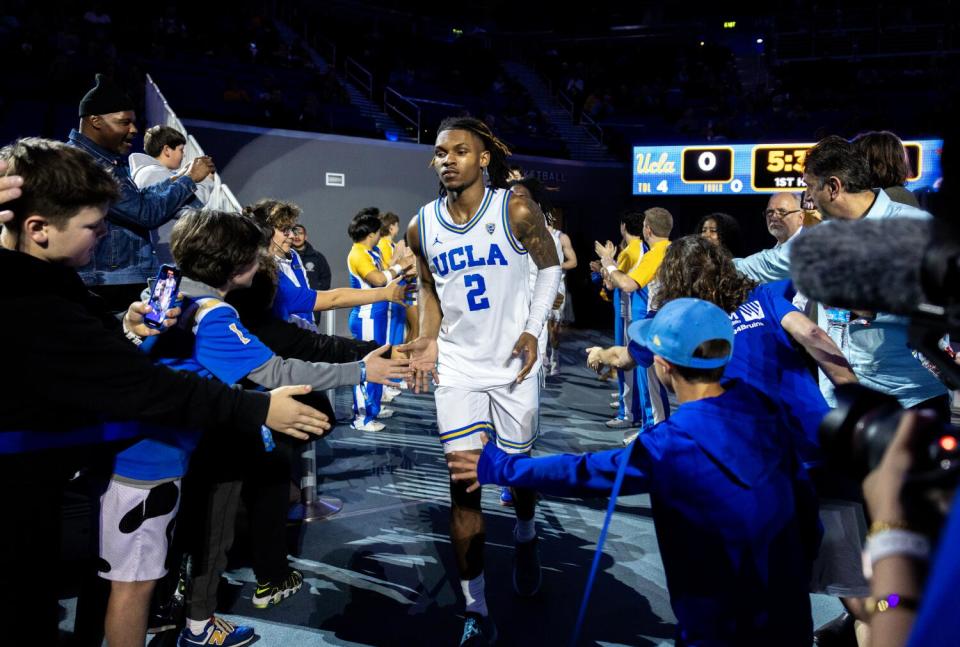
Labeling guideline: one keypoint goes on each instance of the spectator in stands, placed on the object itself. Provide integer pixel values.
(838, 181)
(75, 370)
(218, 253)
(126, 253)
(889, 166)
(234, 92)
(735, 515)
(163, 162)
(721, 229)
(784, 219)
(315, 265)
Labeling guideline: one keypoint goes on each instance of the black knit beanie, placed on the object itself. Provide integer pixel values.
(104, 98)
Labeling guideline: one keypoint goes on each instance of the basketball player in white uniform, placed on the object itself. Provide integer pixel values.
(479, 326)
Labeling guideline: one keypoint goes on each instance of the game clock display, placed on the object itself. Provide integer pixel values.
(753, 168)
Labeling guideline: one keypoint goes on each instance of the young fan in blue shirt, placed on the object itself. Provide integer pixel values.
(217, 253)
(735, 516)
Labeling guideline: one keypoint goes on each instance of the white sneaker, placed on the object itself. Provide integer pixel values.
(385, 412)
(615, 404)
(615, 395)
(373, 425)
(554, 369)
(389, 393)
(630, 436)
(619, 423)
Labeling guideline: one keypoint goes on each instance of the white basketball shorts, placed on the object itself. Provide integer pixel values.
(511, 414)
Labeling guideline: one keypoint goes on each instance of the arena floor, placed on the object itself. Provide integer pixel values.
(381, 571)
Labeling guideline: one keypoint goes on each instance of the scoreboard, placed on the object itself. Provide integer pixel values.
(752, 168)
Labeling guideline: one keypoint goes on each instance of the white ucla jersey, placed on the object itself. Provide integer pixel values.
(481, 271)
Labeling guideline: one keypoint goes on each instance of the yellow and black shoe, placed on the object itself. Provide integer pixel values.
(273, 593)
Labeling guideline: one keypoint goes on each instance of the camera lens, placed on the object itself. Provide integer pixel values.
(855, 434)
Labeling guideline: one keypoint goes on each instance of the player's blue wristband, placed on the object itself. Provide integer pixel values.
(268, 443)
(363, 371)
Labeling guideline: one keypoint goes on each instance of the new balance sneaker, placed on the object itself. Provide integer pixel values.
(217, 632)
(478, 631)
(506, 497)
(272, 593)
(619, 423)
(373, 425)
(385, 412)
(526, 568)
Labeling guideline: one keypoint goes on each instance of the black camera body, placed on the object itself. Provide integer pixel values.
(855, 435)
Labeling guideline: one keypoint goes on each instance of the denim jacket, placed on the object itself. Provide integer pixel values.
(126, 253)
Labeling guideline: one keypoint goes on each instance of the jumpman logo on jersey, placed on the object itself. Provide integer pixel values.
(437, 241)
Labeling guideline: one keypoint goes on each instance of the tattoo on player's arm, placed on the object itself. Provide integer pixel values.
(530, 229)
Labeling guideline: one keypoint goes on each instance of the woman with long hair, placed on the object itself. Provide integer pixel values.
(721, 229)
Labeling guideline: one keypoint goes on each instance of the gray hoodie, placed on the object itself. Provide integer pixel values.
(147, 171)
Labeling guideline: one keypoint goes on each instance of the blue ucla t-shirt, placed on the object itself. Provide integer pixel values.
(221, 348)
(765, 358)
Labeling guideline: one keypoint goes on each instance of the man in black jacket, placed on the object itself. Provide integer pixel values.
(70, 372)
(314, 263)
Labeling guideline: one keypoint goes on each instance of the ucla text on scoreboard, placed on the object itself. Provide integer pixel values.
(753, 168)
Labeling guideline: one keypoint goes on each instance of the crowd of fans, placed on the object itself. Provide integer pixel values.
(748, 364)
(744, 355)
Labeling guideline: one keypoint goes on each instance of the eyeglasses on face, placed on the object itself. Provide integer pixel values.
(779, 213)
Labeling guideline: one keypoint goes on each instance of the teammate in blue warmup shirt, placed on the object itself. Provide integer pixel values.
(735, 515)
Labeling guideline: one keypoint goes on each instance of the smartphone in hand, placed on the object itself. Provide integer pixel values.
(163, 295)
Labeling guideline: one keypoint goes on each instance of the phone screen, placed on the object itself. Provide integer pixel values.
(163, 295)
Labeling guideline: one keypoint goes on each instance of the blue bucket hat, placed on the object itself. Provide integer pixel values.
(680, 327)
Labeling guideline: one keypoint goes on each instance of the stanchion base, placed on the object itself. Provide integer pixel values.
(323, 508)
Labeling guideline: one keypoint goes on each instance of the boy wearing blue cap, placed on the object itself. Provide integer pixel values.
(736, 518)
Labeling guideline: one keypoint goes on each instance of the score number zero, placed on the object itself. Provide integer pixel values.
(706, 165)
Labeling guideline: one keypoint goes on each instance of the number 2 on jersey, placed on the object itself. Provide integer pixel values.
(478, 287)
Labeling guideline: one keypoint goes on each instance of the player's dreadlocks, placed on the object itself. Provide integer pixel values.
(497, 169)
